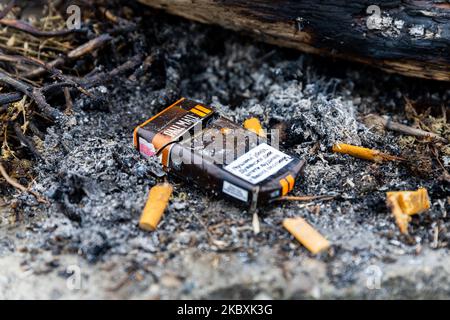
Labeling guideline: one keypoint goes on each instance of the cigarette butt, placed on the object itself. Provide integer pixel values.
(403, 204)
(412, 202)
(401, 219)
(254, 125)
(364, 153)
(306, 234)
(154, 208)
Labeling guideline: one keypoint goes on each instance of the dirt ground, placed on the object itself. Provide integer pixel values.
(86, 242)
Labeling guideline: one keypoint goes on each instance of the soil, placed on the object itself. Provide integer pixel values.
(86, 242)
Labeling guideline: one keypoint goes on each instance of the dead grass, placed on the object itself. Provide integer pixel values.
(37, 58)
(426, 156)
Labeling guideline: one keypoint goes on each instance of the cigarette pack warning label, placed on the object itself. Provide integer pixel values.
(259, 163)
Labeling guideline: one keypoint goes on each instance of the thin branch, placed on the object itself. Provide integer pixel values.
(76, 53)
(69, 102)
(7, 9)
(42, 65)
(39, 98)
(305, 198)
(404, 129)
(17, 84)
(89, 46)
(36, 130)
(104, 77)
(28, 28)
(13, 182)
(26, 141)
(33, 93)
(7, 98)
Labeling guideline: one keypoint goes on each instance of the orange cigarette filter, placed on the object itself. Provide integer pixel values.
(306, 234)
(364, 153)
(412, 202)
(403, 204)
(401, 219)
(157, 201)
(254, 125)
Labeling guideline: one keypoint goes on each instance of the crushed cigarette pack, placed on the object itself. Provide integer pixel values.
(194, 142)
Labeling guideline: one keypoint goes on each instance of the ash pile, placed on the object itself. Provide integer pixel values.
(94, 183)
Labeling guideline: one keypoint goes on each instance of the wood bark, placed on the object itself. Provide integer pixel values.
(410, 37)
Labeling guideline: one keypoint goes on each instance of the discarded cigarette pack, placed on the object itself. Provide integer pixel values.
(195, 143)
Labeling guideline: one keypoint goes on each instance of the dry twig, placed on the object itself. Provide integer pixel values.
(105, 77)
(27, 28)
(7, 9)
(7, 98)
(76, 53)
(305, 198)
(26, 141)
(69, 102)
(404, 129)
(33, 93)
(18, 186)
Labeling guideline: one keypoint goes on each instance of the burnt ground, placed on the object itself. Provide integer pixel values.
(205, 247)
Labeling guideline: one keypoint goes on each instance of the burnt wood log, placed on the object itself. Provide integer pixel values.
(410, 37)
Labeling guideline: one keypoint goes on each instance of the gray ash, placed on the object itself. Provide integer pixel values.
(97, 183)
